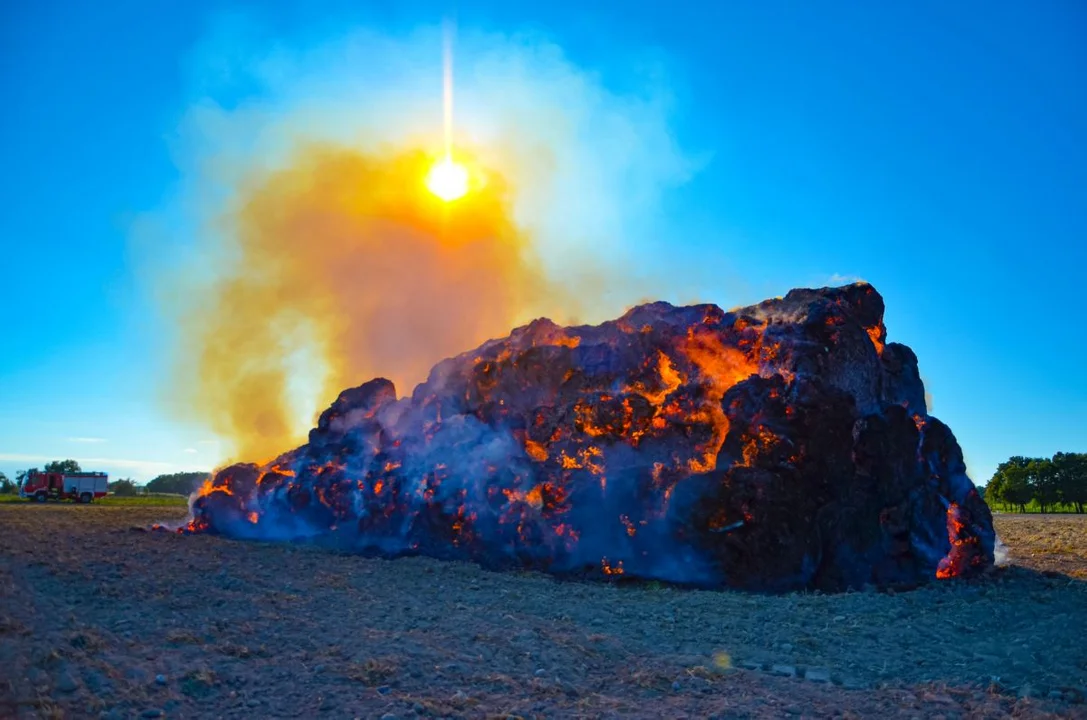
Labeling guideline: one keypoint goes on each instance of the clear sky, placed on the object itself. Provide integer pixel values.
(936, 150)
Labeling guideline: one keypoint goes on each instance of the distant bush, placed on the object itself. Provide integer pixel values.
(182, 483)
(125, 487)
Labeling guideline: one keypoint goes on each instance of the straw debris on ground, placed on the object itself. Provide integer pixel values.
(100, 620)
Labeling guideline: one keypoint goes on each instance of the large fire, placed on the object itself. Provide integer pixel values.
(784, 445)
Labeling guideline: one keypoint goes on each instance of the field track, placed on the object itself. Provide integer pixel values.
(100, 620)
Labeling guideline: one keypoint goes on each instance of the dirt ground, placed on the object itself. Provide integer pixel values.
(100, 620)
(1056, 543)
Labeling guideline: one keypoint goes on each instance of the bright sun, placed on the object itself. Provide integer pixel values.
(447, 179)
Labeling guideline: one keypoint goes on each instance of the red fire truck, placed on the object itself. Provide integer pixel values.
(81, 487)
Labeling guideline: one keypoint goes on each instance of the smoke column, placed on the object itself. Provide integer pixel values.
(305, 254)
(348, 255)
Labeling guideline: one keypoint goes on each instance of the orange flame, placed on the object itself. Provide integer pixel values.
(723, 367)
(876, 334)
(670, 379)
(962, 545)
(536, 451)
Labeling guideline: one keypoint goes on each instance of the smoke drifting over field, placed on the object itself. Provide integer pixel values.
(344, 256)
(311, 255)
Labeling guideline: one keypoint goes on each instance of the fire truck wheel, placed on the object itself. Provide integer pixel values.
(85, 498)
(40, 497)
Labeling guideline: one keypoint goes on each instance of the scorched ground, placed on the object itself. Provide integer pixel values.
(780, 446)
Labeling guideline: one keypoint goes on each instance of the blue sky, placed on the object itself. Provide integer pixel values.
(934, 151)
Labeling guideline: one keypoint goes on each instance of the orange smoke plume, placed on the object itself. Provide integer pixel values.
(348, 256)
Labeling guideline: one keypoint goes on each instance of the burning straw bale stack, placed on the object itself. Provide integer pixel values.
(780, 446)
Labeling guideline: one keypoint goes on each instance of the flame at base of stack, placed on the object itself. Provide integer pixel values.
(776, 447)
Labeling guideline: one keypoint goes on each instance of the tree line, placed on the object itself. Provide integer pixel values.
(182, 483)
(1049, 482)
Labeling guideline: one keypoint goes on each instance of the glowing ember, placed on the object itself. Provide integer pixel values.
(609, 569)
(765, 448)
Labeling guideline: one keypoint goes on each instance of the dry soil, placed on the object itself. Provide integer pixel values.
(100, 620)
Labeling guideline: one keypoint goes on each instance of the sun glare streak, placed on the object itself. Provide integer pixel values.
(447, 89)
(447, 178)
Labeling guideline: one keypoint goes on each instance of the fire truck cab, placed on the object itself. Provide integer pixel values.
(81, 487)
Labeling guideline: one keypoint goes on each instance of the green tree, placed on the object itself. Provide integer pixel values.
(182, 483)
(1071, 472)
(994, 490)
(1009, 484)
(123, 487)
(1043, 480)
(63, 466)
(7, 487)
(1017, 489)
(1015, 461)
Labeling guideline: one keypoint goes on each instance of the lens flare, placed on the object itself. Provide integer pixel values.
(448, 180)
